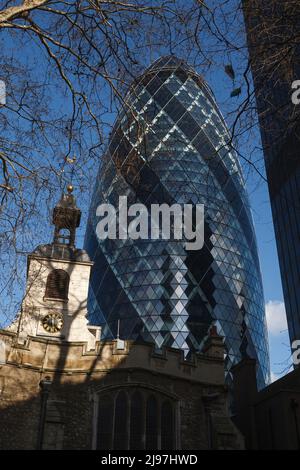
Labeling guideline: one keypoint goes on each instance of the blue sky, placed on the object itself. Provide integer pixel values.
(277, 327)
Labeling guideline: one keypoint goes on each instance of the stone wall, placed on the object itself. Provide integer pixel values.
(78, 376)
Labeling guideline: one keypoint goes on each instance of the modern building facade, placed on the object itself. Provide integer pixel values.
(169, 145)
(272, 29)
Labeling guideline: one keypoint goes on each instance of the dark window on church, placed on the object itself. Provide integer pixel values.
(151, 423)
(167, 426)
(105, 423)
(57, 286)
(121, 433)
(136, 419)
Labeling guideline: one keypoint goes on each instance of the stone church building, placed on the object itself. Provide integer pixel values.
(61, 387)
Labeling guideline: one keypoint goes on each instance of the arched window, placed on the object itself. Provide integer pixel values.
(167, 426)
(136, 421)
(64, 236)
(57, 285)
(120, 427)
(151, 423)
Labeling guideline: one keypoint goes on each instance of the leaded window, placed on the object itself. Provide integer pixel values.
(135, 419)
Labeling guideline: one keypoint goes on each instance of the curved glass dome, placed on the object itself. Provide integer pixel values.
(169, 146)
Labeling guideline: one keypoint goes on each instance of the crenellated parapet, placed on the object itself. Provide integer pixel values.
(76, 357)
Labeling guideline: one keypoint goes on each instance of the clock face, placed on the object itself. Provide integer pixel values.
(53, 322)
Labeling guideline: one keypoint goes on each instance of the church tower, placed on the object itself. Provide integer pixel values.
(55, 303)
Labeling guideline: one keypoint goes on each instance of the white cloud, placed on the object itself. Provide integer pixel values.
(276, 317)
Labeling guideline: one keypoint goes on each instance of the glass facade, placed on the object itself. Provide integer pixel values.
(279, 122)
(169, 146)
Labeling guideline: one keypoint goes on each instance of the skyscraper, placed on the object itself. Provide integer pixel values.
(272, 32)
(168, 145)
